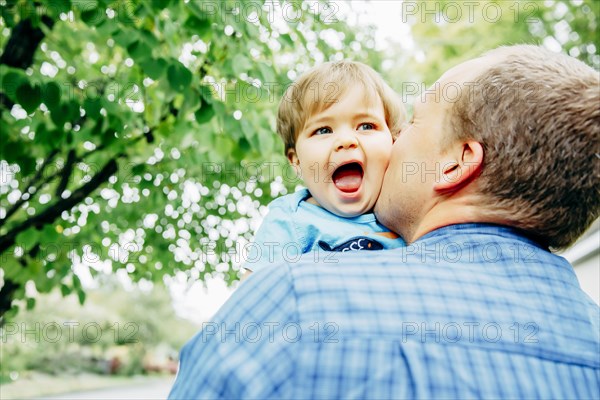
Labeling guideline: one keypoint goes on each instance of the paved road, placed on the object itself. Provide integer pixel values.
(144, 391)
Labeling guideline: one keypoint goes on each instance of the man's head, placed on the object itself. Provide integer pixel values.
(338, 122)
(510, 138)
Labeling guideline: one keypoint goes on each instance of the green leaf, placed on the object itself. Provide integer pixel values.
(11, 81)
(28, 238)
(49, 235)
(223, 145)
(12, 268)
(87, 5)
(161, 4)
(50, 139)
(56, 7)
(247, 129)
(65, 290)
(30, 303)
(11, 313)
(149, 38)
(205, 113)
(112, 107)
(29, 97)
(206, 91)
(59, 115)
(67, 112)
(232, 127)
(72, 110)
(241, 64)
(200, 26)
(227, 69)
(179, 76)
(242, 149)
(7, 14)
(92, 107)
(267, 74)
(76, 282)
(138, 169)
(27, 164)
(287, 39)
(92, 15)
(139, 51)
(51, 95)
(181, 128)
(34, 266)
(43, 284)
(191, 99)
(199, 12)
(98, 128)
(9, 150)
(125, 37)
(81, 296)
(109, 27)
(154, 68)
(267, 141)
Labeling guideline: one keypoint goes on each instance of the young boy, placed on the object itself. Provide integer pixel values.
(338, 122)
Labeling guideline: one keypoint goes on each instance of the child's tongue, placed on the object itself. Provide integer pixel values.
(348, 178)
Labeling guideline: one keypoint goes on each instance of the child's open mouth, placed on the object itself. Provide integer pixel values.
(348, 177)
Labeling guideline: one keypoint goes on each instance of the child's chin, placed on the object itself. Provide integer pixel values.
(354, 210)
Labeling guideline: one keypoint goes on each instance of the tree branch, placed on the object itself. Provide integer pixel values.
(10, 287)
(51, 213)
(66, 173)
(6, 297)
(23, 42)
(19, 53)
(31, 184)
(20, 49)
(61, 173)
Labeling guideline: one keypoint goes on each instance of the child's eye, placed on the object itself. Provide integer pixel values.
(366, 126)
(322, 131)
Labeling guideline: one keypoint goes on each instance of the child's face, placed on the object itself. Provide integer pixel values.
(343, 153)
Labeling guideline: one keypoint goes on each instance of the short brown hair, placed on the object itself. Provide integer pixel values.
(320, 87)
(537, 115)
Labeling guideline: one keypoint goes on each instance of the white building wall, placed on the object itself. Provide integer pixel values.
(585, 258)
(588, 274)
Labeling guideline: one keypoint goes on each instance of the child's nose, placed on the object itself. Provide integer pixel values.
(346, 141)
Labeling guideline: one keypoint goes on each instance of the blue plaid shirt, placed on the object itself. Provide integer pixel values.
(467, 311)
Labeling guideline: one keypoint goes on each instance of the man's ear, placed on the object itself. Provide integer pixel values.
(463, 165)
(293, 157)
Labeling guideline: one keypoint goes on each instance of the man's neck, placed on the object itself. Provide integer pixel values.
(459, 210)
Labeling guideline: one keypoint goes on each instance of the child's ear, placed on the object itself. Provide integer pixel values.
(293, 157)
(461, 167)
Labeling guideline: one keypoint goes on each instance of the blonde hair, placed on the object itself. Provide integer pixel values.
(540, 134)
(322, 86)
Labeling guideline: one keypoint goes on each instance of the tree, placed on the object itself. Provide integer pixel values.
(139, 134)
(62, 336)
(142, 132)
(445, 33)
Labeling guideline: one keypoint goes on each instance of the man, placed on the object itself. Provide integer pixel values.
(498, 163)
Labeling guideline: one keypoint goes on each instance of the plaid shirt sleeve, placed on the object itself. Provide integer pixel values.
(242, 352)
